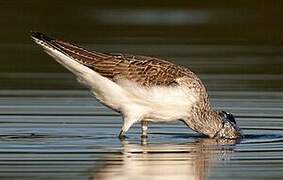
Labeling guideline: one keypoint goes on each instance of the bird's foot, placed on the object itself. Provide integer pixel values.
(144, 136)
(122, 136)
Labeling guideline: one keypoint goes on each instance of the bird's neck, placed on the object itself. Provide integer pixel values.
(204, 119)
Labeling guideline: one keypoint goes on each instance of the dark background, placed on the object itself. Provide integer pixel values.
(226, 42)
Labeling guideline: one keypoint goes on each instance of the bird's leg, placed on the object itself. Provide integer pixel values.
(126, 126)
(129, 120)
(144, 127)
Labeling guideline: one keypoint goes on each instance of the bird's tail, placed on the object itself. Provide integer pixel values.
(81, 55)
(76, 60)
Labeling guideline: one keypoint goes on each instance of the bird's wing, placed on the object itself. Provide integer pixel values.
(143, 70)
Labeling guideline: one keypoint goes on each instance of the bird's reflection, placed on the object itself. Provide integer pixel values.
(142, 161)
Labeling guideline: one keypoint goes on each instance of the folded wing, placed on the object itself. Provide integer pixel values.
(146, 71)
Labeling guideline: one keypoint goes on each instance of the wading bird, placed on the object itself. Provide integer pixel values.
(143, 89)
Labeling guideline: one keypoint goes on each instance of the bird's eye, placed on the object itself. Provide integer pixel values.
(228, 116)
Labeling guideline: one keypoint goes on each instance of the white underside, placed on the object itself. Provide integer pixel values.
(135, 102)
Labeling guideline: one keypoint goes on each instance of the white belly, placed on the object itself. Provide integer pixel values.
(156, 103)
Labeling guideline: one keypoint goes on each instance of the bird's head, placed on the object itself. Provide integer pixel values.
(230, 129)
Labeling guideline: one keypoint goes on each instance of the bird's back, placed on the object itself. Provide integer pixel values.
(144, 70)
(157, 88)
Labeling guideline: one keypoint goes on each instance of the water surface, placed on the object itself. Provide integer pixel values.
(68, 135)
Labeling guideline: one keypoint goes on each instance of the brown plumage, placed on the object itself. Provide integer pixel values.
(164, 90)
(147, 71)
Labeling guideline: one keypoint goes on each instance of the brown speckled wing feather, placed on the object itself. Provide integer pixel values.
(146, 71)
